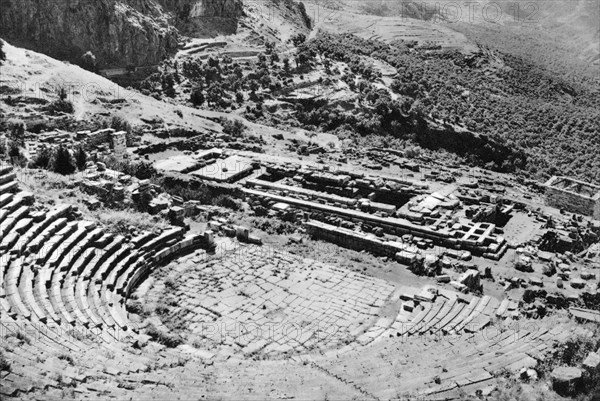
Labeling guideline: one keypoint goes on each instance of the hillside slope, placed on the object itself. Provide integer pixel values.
(34, 79)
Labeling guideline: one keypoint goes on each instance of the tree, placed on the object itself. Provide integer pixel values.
(14, 152)
(17, 131)
(237, 70)
(298, 39)
(168, 85)
(253, 85)
(44, 156)
(63, 161)
(142, 201)
(80, 158)
(2, 54)
(239, 97)
(305, 17)
(269, 47)
(143, 170)
(234, 128)
(286, 65)
(88, 62)
(213, 62)
(197, 96)
(274, 57)
(214, 94)
(327, 65)
(304, 56)
(119, 123)
(212, 75)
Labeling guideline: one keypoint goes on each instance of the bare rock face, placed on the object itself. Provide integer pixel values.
(118, 32)
(205, 17)
(190, 9)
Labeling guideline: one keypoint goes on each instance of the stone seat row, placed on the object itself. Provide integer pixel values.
(475, 366)
(53, 269)
(452, 315)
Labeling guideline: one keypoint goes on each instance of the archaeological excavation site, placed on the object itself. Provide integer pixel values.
(286, 200)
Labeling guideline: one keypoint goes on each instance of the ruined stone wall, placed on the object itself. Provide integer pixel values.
(572, 202)
(351, 240)
(119, 143)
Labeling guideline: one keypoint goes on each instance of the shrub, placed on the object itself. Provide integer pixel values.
(118, 222)
(88, 62)
(170, 284)
(167, 339)
(119, 123)
(4, 364)
(233, 128)
(298, 39)
(61, 106)
(135, 307)
(274, 226)
(141, 170)
(23, 337)
(227, 201)
(162, 310)
(66, 357)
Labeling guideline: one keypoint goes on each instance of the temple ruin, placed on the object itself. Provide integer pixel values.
(573, 195)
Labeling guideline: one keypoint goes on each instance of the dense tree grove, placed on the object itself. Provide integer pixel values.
(218, 83)
(509, 99)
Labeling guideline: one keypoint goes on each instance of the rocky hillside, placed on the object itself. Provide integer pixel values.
(118, 32)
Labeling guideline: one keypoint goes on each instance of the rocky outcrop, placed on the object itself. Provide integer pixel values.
(118, 32)
(205, 17)
(186, 10)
